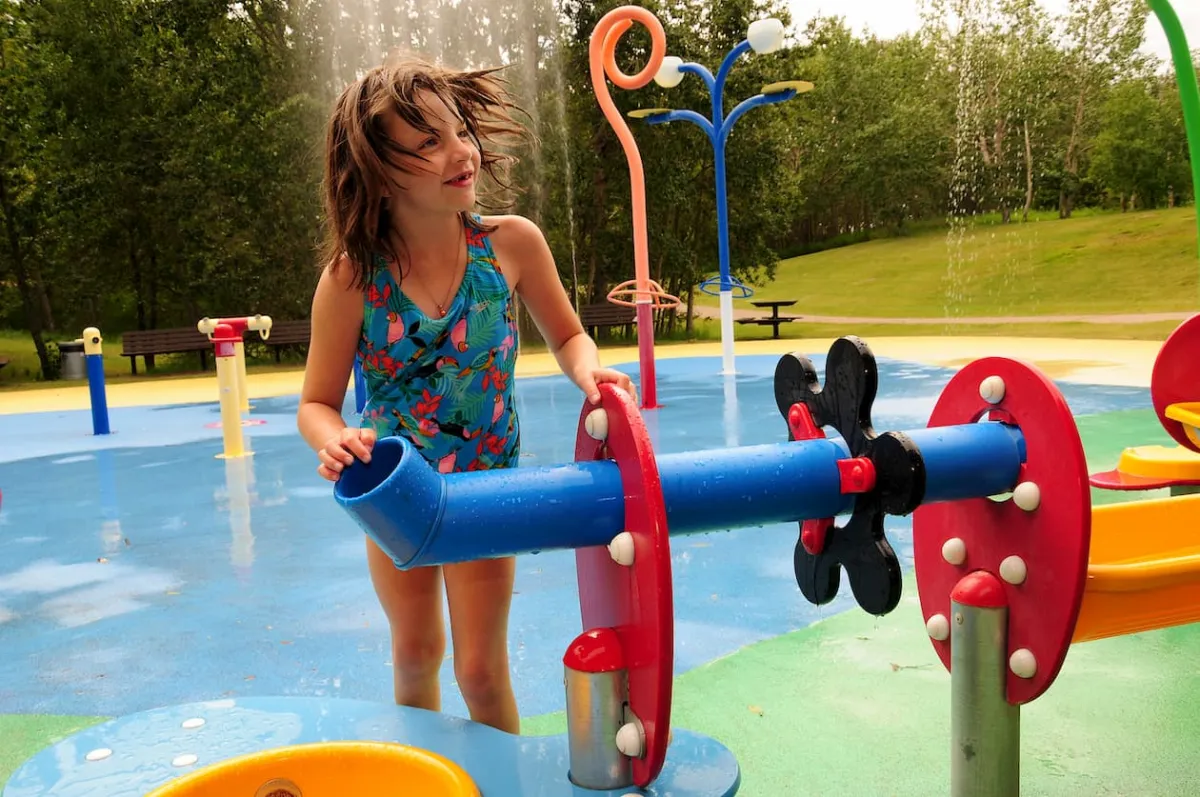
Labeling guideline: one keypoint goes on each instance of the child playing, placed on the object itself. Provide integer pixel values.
(422, 288)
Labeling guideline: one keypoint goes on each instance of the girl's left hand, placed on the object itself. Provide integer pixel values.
(593, 378)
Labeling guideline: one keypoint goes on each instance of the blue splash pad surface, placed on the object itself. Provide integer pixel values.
(138, 570)
(146, 749)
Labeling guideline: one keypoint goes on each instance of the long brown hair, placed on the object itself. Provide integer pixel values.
(358, 224)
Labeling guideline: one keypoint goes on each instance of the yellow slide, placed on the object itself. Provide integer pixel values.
(327, 769)
(1143, 568)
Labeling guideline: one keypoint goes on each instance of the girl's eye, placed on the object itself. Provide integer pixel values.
(428, 142)
(464, 133)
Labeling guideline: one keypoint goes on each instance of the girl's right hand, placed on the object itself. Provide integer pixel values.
(341, 451)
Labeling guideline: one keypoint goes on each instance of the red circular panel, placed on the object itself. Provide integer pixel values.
(634, 601)
(1052, 540)
(1176, 376)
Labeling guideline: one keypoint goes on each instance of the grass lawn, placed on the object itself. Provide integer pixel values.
(1098, 263)
(1095, 263)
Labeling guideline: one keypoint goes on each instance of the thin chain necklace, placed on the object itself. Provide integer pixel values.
(441, 306)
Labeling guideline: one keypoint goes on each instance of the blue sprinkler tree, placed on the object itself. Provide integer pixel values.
(763, 36)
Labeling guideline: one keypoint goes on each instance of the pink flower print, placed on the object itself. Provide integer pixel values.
(497, 409)
(395, 330)
(458, 335)
(506, 345)
(446, 463)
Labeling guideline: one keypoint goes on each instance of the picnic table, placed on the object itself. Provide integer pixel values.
(774, 319)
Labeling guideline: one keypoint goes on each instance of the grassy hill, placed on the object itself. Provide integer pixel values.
(1097, 263)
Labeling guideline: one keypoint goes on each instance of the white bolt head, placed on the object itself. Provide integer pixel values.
(1022, 663)
(621, 549)
(765, 35)
(1013, 570)
(991, 390)
(185, 760)
(669, 75)
(954, 551)
(98, 754)
(194, 722)
(629, 740)
(938, 627)
(596, 424)
(1027, 496)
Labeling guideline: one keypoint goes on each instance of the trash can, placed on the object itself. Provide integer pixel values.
(73, 360)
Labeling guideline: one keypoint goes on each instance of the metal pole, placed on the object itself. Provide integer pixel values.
(985, 729)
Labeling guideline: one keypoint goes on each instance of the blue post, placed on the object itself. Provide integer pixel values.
(360, 386)
(95, 376)
(421, 517)
(764, 36)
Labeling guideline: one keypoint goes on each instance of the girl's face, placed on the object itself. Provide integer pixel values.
(445, 180)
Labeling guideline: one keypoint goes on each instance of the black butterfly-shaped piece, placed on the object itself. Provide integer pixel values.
(860, 547)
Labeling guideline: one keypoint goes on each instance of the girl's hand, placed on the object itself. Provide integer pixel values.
(593, 378)
(341, 451)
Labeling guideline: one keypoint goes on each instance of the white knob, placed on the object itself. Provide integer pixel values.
(669, 75)
(1022, 663)
(954, 551)
(629, 740)
(99, 754)
(185, 760)
(1027, 496)
(596, 424)
(991, 390)
(621, 549)
(1013, 570)
(938, 627)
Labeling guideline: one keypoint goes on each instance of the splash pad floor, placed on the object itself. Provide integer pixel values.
(140, 571)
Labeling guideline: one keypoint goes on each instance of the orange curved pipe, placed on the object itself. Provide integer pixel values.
(602, 56)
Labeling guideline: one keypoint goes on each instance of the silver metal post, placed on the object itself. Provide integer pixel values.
(985, 730)
(595, 712)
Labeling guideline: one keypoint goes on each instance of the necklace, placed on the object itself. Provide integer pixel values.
(441, 306)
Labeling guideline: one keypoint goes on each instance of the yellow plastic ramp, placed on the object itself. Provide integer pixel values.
(1143, 568)
(327, 769)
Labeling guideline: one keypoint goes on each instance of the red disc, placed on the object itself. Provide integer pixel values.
(634, 601)
(1176, 376)
(1052, 540)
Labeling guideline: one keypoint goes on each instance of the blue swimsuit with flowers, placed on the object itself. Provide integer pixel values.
(445, 384)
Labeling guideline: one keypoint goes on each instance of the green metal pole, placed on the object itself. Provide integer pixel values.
(1189, 92)
(985, 729)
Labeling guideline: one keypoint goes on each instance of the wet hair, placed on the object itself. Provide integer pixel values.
(357, 147)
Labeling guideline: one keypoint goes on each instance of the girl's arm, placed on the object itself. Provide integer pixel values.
(337, 313)
(519, 242)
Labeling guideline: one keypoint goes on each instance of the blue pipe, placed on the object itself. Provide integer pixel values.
(421, 517)
(95, 376)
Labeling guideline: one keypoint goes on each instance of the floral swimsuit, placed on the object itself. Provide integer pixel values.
(445, 384)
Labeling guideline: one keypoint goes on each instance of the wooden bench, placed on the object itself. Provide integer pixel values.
(285, 333)
(607, 315)
(146, 343)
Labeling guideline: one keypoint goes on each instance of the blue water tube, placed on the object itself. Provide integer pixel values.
(421, 517)
(740, 289)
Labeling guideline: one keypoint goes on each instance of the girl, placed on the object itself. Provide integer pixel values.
(421, 287)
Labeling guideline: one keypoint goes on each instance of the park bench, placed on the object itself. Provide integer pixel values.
(607, 315)
(177, 340)
(146, 343)
(285, 333)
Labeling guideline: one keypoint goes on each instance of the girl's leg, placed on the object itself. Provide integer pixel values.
(412, 601)
(479, 595)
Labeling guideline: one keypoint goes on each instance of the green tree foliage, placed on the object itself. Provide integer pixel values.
(160, 161)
